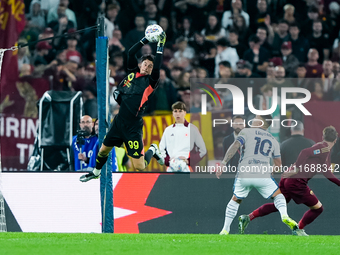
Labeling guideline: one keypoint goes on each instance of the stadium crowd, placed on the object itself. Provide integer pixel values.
(271, 39)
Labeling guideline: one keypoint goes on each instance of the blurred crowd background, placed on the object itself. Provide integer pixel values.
(225, 39)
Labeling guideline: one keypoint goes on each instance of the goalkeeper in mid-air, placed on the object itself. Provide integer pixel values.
(132, 95)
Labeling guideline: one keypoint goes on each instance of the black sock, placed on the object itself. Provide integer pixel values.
(100, 161)
(147, 157)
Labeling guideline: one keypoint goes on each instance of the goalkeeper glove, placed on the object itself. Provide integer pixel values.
(161, 42)
(144, 41)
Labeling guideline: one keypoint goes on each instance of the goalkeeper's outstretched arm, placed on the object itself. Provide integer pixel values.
(132, 59)
(158, 60)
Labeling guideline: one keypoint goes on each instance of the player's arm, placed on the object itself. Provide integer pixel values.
(229, 154)
(132, 59)
(158, 60)
(199, 141)
(330, 176)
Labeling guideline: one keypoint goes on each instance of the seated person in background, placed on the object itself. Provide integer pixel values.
(182, 140)
(82, 145)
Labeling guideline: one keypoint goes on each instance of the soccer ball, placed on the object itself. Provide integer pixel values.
(178, 165)
(152, 33)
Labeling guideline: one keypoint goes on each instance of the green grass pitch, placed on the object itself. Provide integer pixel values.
(50, 243)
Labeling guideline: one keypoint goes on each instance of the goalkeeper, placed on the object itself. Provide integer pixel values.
(132, 95)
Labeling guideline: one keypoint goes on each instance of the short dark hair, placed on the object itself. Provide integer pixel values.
(294, 24)
(238, 117)
(222, 42)
(254, 38)
(147, 57)
(267, 119)
(233, 30)
(179, 105)
(329, 134)
(283, 21)
(263, 27)
(225, 63)
(317, 21)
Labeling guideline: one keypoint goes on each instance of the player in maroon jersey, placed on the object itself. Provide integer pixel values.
(293, 184)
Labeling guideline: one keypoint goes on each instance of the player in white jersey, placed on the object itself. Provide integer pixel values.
(180, 139)
(257, 148)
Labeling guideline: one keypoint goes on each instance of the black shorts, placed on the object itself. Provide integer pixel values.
(128, 132)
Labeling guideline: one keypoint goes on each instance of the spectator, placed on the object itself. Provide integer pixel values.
(244, 70)
(202, 73)
(225, 71)
(116, 43)
(317, 94)
(307, 26)
(336, 51)
(225, 53)
(183, 82)
(164, 23)
(238, 125)
(270, 72)
(280, 37)
(53, 13)
(300, 45)
(234, 43)
(319, 41)
(289, 13)
(41, 52)
(229, 17)
(176, 72)
(186, 30)
(290, 62)
(24, 56)
(257, 56)
(71, 51)
(262, 34)
(314, 69)
(25, 70)
(261, 15)
(291, 148)
(83, 144)
(165, 96)
(301, 80)
(184, 53)
(334, 17)
(36, 15)
(243, 31)
(205, 53)
(328, 79)
(336, 68)
(280, 80)
(60, 27)
(136, 33)
(90, 101)
(213, 30)
(151, 14)
(110, 19)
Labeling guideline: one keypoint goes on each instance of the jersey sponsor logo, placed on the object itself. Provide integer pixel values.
(135, 154)
(316, 152)
(129, 79)
(311, 192)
